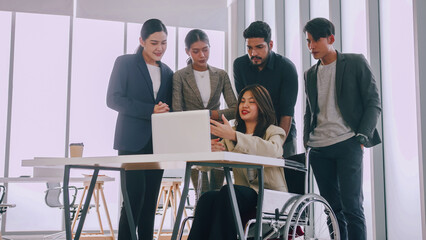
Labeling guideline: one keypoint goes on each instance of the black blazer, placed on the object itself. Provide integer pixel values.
(130, 93)
(357, 97)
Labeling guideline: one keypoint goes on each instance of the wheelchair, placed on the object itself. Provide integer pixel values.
(294, 215)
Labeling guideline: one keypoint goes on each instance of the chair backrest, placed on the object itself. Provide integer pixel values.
(2, 193)
(53, 194)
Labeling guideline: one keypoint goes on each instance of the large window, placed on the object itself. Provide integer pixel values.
(5, 27)
(319, 8)
(270, 18)
(40, 101)
(38, 112)
(354, 40)
(96, 45)
(293, 34)
(400, 120)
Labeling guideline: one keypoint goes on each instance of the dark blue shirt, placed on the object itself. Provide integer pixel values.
(279, 77)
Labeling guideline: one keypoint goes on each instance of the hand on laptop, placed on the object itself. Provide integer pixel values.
(161, 107)
(223, 130)
(217, 146)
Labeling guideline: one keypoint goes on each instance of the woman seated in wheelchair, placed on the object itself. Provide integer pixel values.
(254, 133)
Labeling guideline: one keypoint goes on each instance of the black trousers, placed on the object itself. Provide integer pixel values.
(213, 215)
(143, 187)
(338, 171)
(214, 183)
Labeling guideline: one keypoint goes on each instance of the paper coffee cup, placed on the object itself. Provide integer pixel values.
(76, 149)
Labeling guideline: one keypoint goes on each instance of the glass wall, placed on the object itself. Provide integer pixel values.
(354, 40)
(319, 8)
(38, 112)
(39, 104)
(96, 45)
(40, 94)
(5, 33)
(249, 12)
(400, 126)
(293, 49)
(270, 18)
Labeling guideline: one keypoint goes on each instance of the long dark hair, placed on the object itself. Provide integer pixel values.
(149, 27)
(266, 112)
(193, 36)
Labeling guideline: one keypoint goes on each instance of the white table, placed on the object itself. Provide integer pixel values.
(226, 160)
(51, 179)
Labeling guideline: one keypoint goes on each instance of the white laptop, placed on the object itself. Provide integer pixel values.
(181, 132)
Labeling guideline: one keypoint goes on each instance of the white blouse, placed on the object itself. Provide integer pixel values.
(203, 84)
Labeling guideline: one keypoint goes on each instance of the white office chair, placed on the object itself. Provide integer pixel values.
(53, 199)
(4, 206)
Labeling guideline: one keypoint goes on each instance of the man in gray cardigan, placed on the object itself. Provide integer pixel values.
(342, 110)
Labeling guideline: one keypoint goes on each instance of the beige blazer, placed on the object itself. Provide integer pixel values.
(186, 95)
(269, 146)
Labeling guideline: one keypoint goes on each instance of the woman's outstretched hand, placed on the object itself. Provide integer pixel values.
(217, 146)
(223, 130)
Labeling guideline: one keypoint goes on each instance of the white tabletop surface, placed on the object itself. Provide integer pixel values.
(156, 161)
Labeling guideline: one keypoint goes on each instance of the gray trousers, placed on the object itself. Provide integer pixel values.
(338, 171)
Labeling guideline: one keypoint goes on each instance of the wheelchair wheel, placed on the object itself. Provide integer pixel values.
(311, 217)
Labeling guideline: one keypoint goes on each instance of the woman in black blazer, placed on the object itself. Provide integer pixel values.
(140, 85)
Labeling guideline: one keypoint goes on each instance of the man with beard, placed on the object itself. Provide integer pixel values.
(276, 73)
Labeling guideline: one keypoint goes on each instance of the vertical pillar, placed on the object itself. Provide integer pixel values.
(378, 168)
(336, 19)
(419, 6)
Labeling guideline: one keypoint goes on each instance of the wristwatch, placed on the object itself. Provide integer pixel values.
(361, 138)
